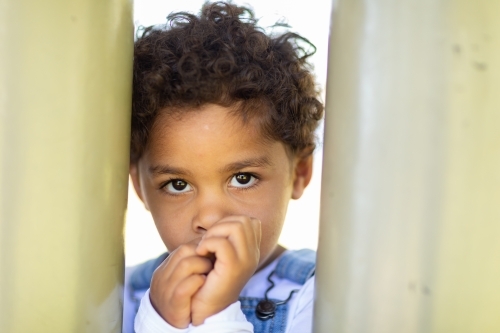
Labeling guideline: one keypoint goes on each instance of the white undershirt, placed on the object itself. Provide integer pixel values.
(231, 319)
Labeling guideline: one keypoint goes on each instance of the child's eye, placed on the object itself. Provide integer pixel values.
(243, 180)
(177, 186)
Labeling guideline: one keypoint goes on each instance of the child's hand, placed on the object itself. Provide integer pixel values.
(235, 242)
(175, 281)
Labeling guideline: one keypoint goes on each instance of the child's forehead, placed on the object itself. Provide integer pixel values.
(218, 124)
(211, 141)
(219, 131)
(209, 117)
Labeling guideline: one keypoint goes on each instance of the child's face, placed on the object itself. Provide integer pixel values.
(206, 165)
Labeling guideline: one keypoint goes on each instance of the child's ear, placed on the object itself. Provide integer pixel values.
(302, 175)
(134, 175)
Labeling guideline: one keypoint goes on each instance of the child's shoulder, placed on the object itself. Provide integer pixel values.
(291, 270)
(279, 297)
(297, 266)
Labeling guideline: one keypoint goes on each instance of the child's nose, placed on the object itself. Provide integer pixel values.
(210, 208)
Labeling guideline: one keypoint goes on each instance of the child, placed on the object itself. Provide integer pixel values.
(222, 137)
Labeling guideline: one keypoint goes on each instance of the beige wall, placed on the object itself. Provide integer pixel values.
(410, 221)
(65, 87)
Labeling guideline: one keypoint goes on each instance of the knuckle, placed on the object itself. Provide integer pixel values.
(222, 240)
(157, 275)
(179, 292)
(201, 261)
(238, 224)
(198, 280)
(182, 291)
(184, 264)
(185, 250)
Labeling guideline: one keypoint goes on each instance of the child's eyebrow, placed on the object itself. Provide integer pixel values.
(232, 167)
(167, 169)
(253, 162)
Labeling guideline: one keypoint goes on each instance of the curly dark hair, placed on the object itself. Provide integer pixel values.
(223, 57)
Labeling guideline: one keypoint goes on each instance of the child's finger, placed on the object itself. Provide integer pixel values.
(186, 289)
(166, 284)
(241, 231)
(257, 224)
(234, 231)
(171, 293)
(169, 265)
(189, 266)
(250, 224)
(221, 246)
(176, 309)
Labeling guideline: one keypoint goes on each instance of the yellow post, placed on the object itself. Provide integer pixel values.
(65, 92)
(410, 221)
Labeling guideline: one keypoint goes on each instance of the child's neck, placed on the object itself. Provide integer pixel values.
(278, 250)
